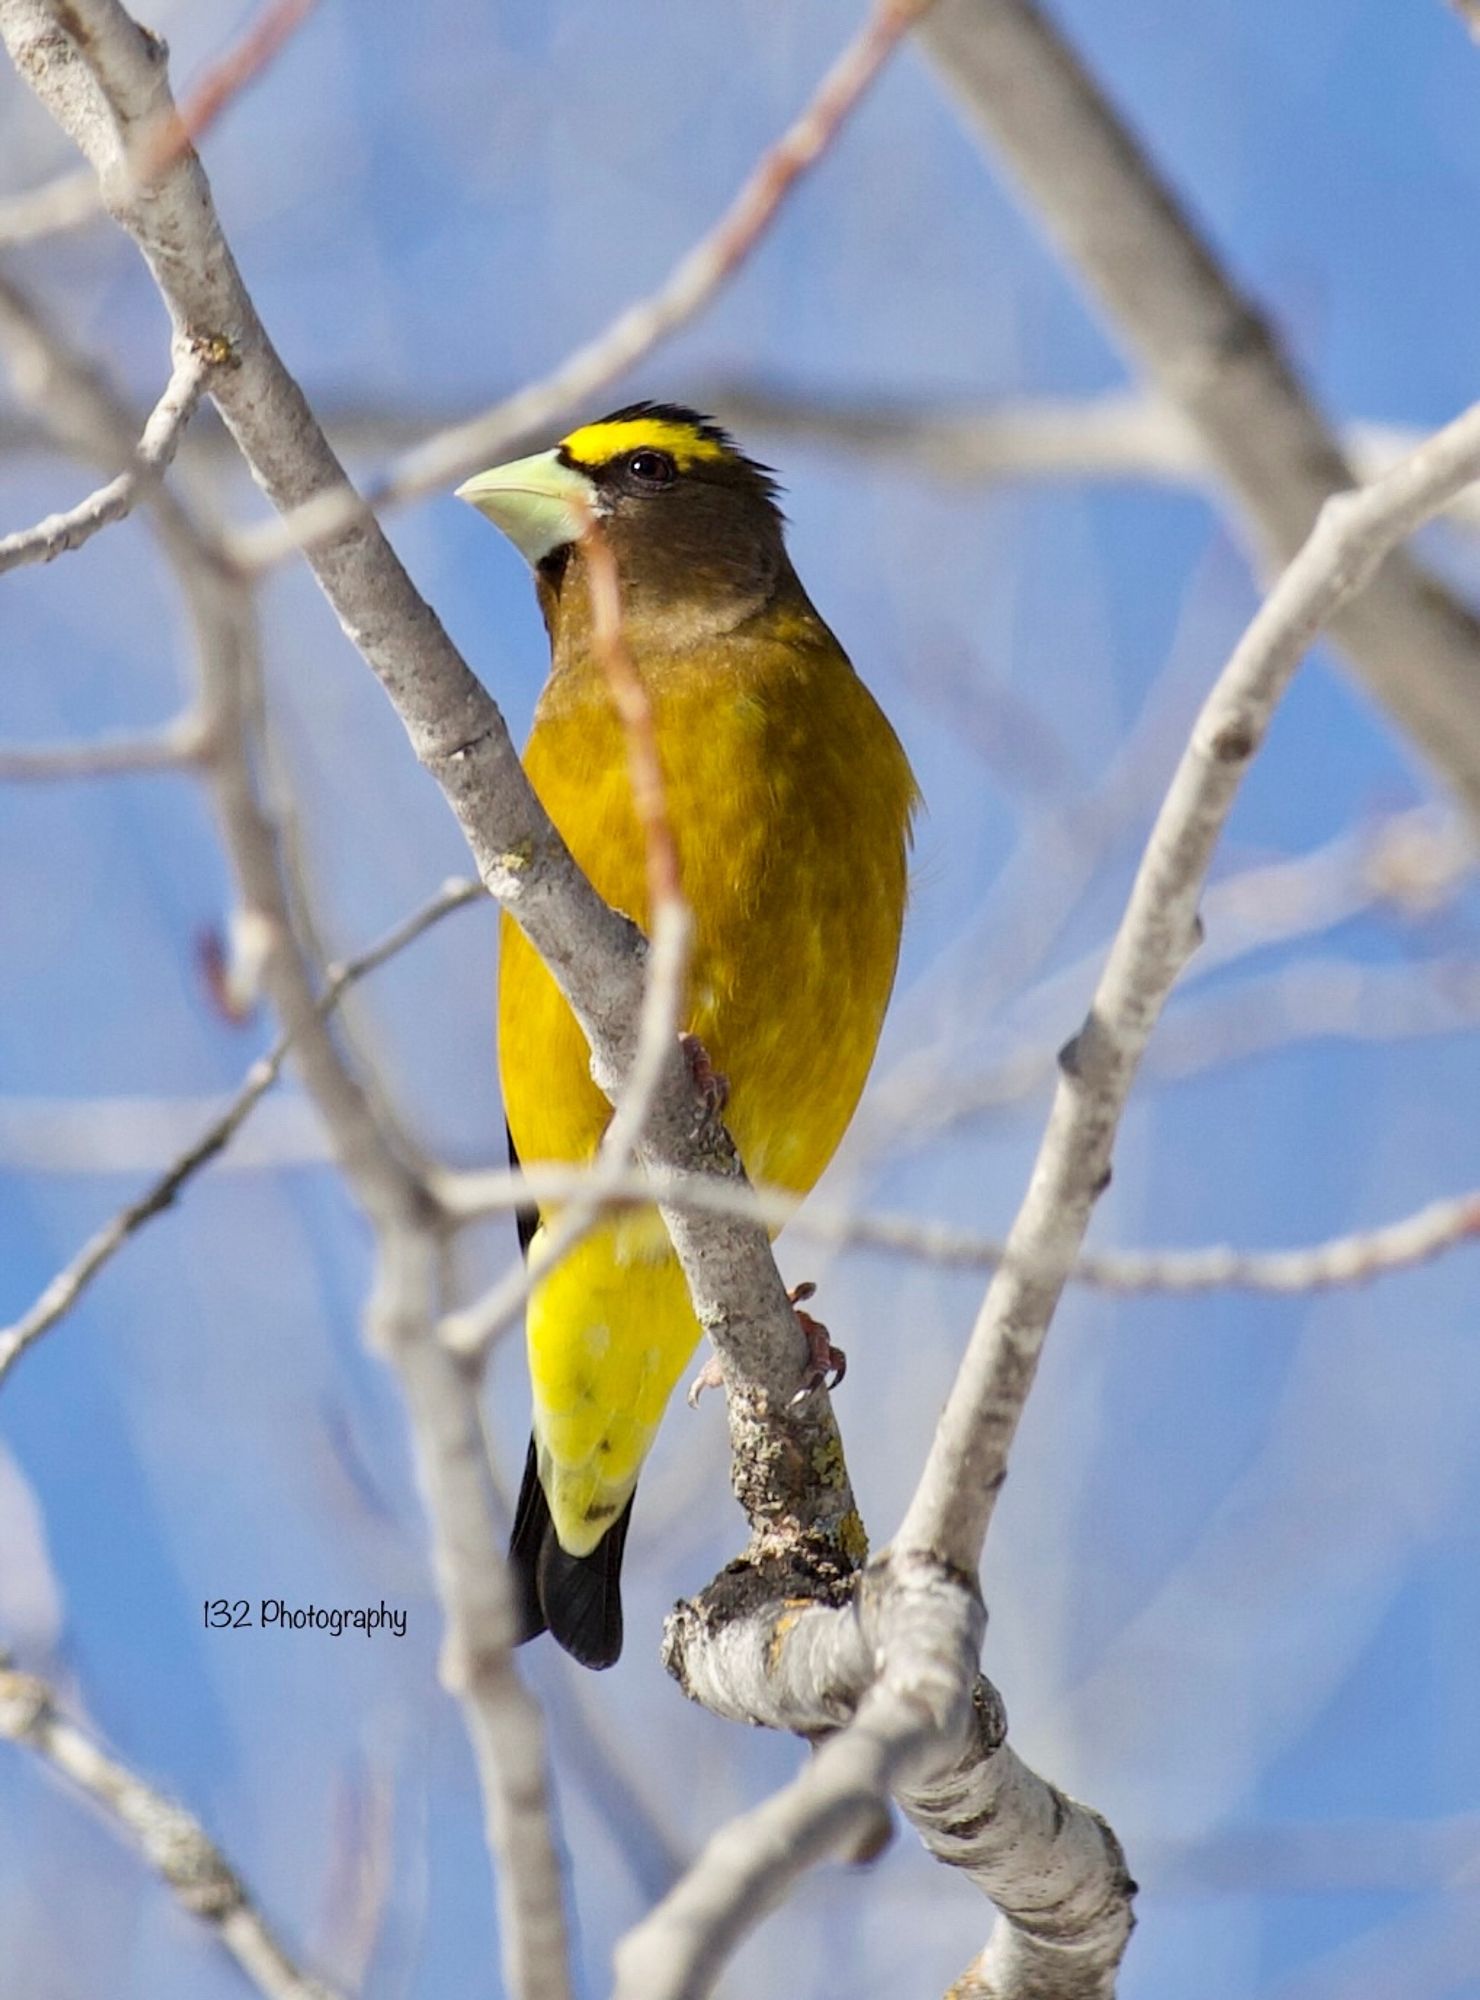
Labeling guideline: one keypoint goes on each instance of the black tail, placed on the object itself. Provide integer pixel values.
(576, 1599)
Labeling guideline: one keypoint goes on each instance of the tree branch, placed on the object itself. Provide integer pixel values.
(906, 1646)
(59, 533)
(465, 447)
(458, 734)
(1117, 436)
(503, 1720)
(179, 746)
(105, 81)
(67, 1287)
(1207, 348)
(174, 1844)
(953, 1504)
(742, 1649)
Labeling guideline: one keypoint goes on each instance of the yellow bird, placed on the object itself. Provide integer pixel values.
(791, 802)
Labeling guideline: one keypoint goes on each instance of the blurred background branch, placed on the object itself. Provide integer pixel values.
(1207, 347)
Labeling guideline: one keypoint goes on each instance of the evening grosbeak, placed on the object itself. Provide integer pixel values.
(790, 801)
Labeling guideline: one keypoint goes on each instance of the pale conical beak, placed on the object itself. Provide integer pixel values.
(540, 504)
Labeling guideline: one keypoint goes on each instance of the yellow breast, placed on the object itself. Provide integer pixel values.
(790, 799)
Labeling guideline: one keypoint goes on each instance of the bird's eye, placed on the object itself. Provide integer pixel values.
(651, 469)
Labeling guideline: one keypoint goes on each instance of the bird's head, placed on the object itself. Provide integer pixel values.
(692, 522)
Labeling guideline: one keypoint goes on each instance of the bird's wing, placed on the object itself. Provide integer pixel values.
(526, 1216)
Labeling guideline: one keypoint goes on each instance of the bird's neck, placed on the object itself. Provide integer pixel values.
(657, 622)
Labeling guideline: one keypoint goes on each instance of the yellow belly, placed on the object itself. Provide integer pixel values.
(790, 799)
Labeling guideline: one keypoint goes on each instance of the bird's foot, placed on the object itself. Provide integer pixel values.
(710, 1376)
(826, 1364)
(714, 1088)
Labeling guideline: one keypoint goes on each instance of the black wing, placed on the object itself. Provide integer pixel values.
(526, 1219)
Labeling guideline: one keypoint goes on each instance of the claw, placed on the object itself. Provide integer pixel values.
(714, 1087)
(710, 1376)
(826, 1364)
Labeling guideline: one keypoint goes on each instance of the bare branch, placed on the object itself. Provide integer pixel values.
(1350, 1259)
(503, 1721)
(953, 1504)
(264, 40)
(368, 1149)
(59, 533)
(1343, 1260)
(173, 1843)
(741, 1648)
(75, 198)
(1118, 436)
(502, 1717)
(1206, 347)
(104, 80)
(64, 1290)
(907, 1645)
(679, 1950)
(180, 746)
(456, 730)
(64, 203)
(463, 448)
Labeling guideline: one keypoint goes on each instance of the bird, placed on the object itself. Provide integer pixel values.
(791, 803)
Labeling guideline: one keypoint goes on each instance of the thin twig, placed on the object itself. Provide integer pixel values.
(64, 1290)
(1411, 862)
(179, 746)
(73, 199)
(1349, 1259)
(634, 708)
(64, 203)
(170, 1839)
(202, 105)
(59, 533)
(465, 447)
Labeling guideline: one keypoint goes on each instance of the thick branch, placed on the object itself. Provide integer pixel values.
(904, 1649)
(1207, 347)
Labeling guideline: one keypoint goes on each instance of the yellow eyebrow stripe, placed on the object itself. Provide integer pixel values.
(598, 444)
